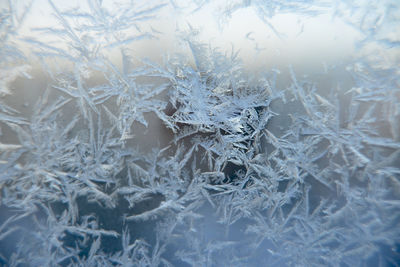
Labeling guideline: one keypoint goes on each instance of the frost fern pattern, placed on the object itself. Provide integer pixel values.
(113, 159)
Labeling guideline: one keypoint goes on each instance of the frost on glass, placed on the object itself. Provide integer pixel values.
(109, 157)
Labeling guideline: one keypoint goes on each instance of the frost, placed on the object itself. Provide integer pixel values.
(118, 159)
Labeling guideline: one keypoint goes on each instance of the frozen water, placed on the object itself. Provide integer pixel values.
(200, 133)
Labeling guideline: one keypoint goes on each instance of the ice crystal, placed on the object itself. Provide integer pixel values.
(119, 160)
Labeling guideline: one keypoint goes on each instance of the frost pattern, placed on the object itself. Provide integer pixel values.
(252, 173)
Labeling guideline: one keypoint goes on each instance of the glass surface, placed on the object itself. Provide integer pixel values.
(200, 133)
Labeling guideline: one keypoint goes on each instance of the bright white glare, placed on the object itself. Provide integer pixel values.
(304, 40)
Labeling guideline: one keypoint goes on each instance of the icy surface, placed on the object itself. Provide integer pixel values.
(129, 138)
